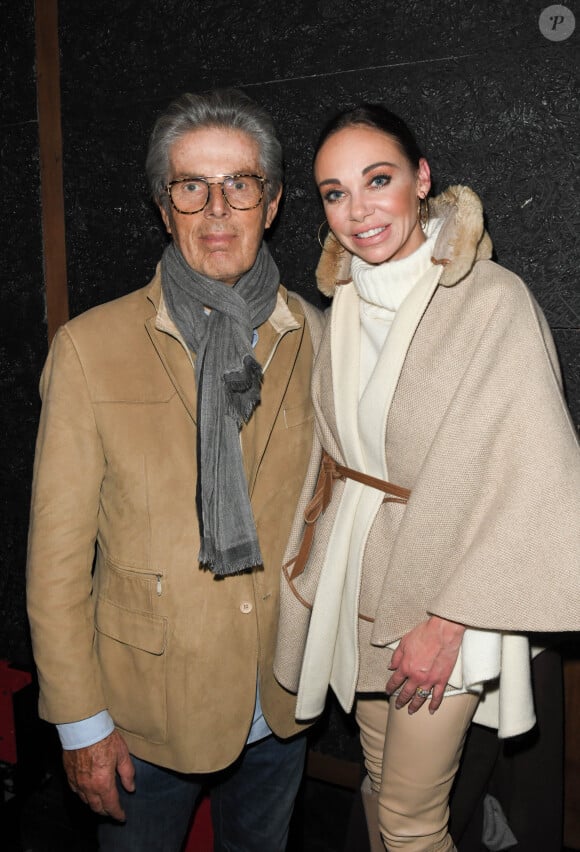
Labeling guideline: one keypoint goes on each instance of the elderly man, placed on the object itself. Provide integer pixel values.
(174, 439)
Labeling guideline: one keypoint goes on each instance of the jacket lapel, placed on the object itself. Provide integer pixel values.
(177, 363)
(172, 351)
(281, 330)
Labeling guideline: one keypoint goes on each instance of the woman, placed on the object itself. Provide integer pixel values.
(448, 497)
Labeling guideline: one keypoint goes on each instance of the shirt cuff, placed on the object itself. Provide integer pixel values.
(86, 732)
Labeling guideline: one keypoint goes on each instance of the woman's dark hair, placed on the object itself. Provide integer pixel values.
(379, 118)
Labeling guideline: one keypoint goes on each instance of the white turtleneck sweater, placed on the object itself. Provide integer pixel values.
(382, 290)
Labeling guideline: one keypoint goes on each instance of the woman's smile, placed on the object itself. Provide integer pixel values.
(372, 232)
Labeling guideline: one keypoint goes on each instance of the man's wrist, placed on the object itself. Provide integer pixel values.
(85, 732)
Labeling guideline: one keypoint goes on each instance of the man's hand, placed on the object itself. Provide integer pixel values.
(91, 774)
(424, 661)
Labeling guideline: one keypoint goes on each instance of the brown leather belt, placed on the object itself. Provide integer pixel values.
(329, 472)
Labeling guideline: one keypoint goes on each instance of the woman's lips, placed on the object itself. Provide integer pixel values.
(372, 235)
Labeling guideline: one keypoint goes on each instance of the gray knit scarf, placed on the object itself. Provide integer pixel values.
(228, 389)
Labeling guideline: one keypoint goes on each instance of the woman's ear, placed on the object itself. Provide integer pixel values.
(423, 178)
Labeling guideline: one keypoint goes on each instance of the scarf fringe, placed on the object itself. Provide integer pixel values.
(242, 390)
(224, 566)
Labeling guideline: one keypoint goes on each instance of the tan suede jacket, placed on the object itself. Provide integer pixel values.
(122, 615)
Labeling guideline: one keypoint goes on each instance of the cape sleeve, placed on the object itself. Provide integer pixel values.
(491, 534)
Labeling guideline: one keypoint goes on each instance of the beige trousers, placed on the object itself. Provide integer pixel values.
(411, 762)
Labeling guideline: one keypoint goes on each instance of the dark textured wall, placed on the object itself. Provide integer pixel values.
(22, 320)
(494, 103)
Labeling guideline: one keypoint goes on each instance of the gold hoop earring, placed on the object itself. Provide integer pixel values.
(423, 213)
(322, 242)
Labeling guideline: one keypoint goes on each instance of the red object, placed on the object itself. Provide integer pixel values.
(11, 681)
(200, 838)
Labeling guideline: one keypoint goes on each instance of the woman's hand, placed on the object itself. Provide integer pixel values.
(424, 661)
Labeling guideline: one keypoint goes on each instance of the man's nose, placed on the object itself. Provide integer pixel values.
(216, 203)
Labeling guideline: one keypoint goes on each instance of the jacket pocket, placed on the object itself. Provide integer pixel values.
(128, 585)
(131, 649)
(297, 414)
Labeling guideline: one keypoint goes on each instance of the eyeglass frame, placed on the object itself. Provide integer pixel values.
(219, 183)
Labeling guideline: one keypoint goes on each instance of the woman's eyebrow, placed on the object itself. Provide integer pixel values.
(382, 163)
(364, 171)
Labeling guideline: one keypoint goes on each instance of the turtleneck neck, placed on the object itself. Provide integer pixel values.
(382, 290)
(386, 285)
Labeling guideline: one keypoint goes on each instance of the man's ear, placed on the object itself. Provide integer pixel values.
(272, 209)
(166, 218)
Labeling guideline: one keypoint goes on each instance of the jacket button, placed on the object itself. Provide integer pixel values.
(246, 607)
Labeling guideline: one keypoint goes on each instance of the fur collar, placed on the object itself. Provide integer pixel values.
(462, 240)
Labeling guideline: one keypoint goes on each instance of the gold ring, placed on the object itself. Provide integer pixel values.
(423, 693)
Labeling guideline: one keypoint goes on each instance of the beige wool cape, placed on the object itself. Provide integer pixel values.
(465, 409)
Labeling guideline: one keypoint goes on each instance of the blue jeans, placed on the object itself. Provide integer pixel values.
(251, 802)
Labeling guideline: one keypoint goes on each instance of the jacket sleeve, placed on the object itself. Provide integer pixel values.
(68, 471)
